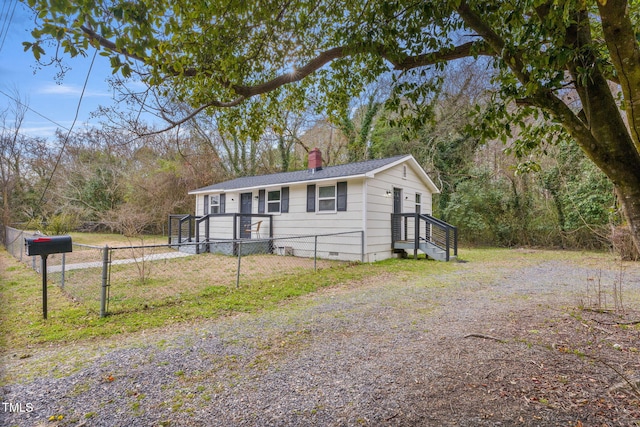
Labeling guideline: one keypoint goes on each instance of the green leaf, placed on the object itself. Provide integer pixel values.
(126, 70)
(37, 51)
(118, 12)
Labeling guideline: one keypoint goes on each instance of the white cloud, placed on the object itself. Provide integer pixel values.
(59, 90)
(45, 131)
(69, 90)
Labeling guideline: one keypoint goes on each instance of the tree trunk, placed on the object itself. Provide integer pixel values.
(600, 129)
(629, 196)
(620, 36)
(612, 149)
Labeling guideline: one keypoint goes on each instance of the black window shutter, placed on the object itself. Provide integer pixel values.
(311, 198)
(223, 203)
(206, 205)
(261, 201)
(342, 196)
(284, 200)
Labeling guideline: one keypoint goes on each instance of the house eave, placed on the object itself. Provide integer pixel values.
(312, 177)
(277, 185)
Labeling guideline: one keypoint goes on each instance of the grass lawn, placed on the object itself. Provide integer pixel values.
(197, 292)
(200, 290)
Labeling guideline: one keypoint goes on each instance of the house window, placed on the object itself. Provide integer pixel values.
(215, 203)
(327, 198)
(418, 203)
(273, 201)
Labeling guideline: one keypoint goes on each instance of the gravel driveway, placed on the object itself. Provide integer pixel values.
(497, 342)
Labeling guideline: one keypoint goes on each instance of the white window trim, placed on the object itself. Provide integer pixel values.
(214, 201)
(418, 203)
(334, 198)
(279, 201)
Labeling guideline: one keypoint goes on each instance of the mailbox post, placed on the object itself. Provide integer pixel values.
(44, 246)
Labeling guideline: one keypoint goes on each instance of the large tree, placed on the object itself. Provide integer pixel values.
(565, 58)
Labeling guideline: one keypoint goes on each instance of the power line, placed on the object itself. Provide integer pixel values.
(66, 138)
(32, 110)
(2, 13)
(5, 15)
(6, 27)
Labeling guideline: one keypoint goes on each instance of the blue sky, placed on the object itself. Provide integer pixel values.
(57, 101)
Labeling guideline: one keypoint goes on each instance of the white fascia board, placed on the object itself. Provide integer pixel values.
(196, 192)
(283, 184)
(416, 166)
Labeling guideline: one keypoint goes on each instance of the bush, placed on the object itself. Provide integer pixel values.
(61, 224)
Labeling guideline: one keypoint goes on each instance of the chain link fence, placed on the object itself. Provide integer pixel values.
(14, 242)
(111, 280)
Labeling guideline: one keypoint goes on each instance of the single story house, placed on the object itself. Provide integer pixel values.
(358, 196)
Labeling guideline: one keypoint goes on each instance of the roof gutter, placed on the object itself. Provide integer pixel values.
(281, 184)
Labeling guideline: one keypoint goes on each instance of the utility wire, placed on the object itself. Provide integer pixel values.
(17, 101)
(6, 27)
(2, 13)
(66, 138)
(5, 15)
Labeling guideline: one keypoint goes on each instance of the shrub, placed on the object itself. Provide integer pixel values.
(61, 224)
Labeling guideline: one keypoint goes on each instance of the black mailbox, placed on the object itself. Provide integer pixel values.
(45, 245)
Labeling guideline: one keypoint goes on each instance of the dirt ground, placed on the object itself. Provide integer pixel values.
(531, 338)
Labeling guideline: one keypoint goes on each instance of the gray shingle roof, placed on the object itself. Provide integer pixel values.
(328, 172)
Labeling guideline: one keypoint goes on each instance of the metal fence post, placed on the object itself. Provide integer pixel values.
(105, 277)
(21, 244)
(238, 270)
(315, 253)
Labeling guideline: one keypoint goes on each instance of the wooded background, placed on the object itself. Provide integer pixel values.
(112, 178)
(518, 110)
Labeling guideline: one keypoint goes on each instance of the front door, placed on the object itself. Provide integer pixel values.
(245, 221)
(397, 200)
(397, 209)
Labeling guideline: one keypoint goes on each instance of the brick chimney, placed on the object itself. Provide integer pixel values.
(315, 160)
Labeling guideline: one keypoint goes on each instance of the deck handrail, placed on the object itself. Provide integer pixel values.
(448, 244)
(195, 222)
(181, 218)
